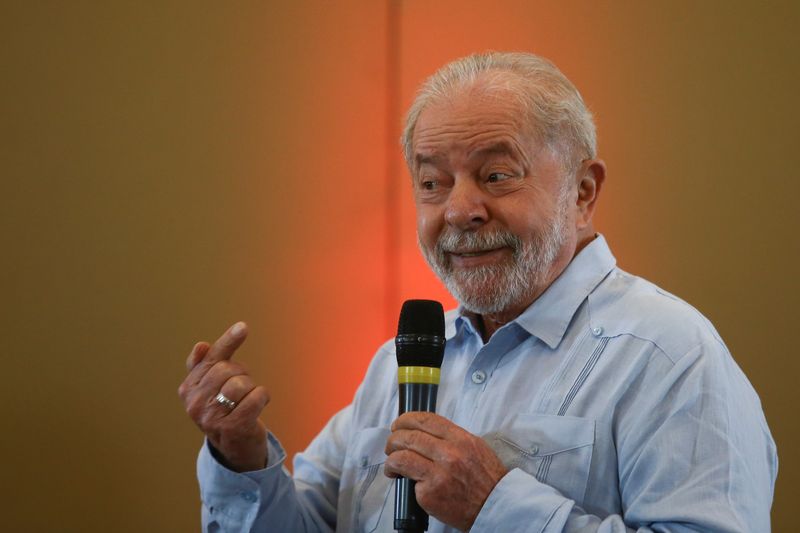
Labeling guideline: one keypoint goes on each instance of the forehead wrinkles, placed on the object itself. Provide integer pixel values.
(473, 119)
(463, 137)
(462, 134)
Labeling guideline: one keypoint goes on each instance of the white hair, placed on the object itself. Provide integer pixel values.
(555, 109)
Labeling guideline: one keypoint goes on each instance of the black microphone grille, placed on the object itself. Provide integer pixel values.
(420, 334)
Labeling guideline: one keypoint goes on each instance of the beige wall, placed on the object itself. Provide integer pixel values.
(168, 169)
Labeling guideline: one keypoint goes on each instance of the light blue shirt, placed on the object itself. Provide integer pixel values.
(615, 405)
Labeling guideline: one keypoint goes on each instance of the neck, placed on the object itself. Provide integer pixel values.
(488, 323)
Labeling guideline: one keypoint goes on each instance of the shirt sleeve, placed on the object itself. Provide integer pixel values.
(694, 454)
(269, 499)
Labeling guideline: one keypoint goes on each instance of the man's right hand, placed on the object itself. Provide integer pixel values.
(236, 433)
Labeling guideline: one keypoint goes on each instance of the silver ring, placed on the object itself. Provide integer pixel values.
(224, 400)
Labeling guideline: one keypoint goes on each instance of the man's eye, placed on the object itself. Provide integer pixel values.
(429, 185)
(494, 177)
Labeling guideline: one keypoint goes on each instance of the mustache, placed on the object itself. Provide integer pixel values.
(471, 241)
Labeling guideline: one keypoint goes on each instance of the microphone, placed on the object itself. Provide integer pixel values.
(420, 349)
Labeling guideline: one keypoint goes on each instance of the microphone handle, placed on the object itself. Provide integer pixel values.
(418, 397)
(409, 517)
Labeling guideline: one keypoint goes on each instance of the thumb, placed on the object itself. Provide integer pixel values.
(197, 354)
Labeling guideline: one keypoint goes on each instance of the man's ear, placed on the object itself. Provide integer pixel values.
(589, 180)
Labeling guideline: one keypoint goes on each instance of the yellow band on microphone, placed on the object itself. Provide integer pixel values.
(418, 374)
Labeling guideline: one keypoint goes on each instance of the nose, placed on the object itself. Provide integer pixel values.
(466, 206)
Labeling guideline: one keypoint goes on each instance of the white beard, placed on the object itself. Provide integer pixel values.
(491, 289)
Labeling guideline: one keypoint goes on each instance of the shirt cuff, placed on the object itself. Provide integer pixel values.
(232, 497)
(520, 503)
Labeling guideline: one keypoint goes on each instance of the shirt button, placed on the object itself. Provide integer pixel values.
(597, 331)
(478, 377)
(248, 496)
(364, 460)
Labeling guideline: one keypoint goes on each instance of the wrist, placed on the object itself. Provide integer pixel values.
(248, 462)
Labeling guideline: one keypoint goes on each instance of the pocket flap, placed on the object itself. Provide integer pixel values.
(540, 434)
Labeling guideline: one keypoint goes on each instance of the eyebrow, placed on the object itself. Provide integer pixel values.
(428, 159)
(498, 147)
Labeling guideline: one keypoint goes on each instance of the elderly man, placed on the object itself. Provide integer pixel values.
(574, 396)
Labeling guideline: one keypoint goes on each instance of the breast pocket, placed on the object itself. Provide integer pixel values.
(556, 450)
(372, 490)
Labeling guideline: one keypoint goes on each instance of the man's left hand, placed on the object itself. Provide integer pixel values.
(455, 470)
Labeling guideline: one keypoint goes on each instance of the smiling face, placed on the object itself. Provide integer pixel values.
(496, 219)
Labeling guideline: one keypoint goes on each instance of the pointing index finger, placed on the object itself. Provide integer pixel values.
(228, 343)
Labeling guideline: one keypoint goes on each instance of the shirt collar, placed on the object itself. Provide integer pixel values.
(549, 315)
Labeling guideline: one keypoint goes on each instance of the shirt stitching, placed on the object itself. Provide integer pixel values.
(581, 379)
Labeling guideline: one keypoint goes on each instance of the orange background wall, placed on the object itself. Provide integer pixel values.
(168, 169)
